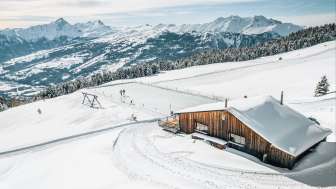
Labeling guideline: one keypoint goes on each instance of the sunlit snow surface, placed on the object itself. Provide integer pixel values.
(144, 156)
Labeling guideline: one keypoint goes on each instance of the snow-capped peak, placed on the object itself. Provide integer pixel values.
(55, 29)
(261, 24)
(263, 19)
(98, 22)
(61, 21)
(93, 28)
(60, 27)
(50, 31)
(236, 24)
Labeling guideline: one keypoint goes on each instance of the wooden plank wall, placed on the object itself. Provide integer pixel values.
(255, 144)
(280, 158)
(187, 122)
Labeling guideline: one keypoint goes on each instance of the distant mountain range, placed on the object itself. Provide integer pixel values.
(236, 24)
(59, 28)
(47, 54)
(233, 24)
(19, 42)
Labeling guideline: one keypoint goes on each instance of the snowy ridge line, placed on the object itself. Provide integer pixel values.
(244, 67)
(26, 149)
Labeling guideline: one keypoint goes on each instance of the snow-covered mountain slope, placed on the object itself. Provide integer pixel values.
(233, 24)
(236, 24)
(296, 74)
(142, 155)
(23, 41)
(263, 76)
(71, 117)
(309, 64)
(14, 46)
(93, 29)
(70, 52)
(108, 53)
(50, 31)
(59, 28)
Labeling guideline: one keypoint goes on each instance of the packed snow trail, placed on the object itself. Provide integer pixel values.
(63, 140)
(137, 156)
(79, 164)
(130, 157)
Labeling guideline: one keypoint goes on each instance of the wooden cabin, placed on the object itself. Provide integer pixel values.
(262, 127)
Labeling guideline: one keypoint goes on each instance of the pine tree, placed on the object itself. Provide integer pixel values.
(322, 87)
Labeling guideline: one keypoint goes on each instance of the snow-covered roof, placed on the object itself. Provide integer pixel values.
(280, 125)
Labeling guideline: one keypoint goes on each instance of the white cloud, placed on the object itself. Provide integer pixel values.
(22, 13)
(82, 8)
(68, 8)
(311, 20)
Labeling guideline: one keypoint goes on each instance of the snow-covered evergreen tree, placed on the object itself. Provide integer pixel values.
(3, 105)
(322, 87)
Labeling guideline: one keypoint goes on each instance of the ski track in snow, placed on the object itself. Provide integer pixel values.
(137, 156)
(62, 140)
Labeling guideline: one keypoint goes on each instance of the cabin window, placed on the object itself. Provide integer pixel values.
(224, 121)
(201, 128)
(237, 139)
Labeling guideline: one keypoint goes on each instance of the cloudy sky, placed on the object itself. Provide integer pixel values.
(23, 13)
